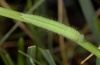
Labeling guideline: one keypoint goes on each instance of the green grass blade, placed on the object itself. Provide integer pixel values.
(28, 5)
(47, 55)
(4, 58)
(32, 60)
(32, 53)
(21, 59)
(9, 59)
(35, 54)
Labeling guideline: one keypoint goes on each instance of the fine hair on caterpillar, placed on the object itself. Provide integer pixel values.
(38, 14)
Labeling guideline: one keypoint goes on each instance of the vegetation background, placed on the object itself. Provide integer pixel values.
(16, 36)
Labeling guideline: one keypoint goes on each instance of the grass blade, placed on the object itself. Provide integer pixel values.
(29, 57)
(6, 58)
(21, 59)
(32, 53)
(47, 55)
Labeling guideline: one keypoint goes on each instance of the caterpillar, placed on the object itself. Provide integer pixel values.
(54, 26)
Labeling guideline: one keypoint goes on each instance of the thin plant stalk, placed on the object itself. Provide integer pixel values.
(61, 38)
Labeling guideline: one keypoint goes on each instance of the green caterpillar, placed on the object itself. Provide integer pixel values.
(54, 26)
